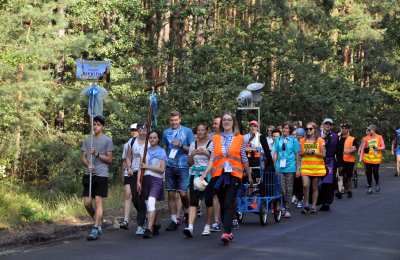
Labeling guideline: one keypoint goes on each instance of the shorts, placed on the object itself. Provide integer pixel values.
(99, 186)
(397, 151)
(347, 169)
(129, 180)
(195, 195)
(177, 179)
(153, 187)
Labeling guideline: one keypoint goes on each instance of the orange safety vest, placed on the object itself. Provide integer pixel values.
(373, 157)
(348, 144)
(233, 156)
(312, 165)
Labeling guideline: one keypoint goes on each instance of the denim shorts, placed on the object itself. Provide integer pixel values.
(398, 151)
(177, 179)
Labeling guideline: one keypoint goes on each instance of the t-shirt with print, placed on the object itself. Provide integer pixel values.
(102, 144)
(154, 156)
(185, 136)
(199, 160)
(286, 149)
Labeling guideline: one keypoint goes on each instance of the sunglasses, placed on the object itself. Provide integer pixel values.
(309, 129)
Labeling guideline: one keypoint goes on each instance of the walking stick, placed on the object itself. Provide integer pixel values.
(150, 118)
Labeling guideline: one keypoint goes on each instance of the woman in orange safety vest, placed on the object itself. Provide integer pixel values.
(312, 152)
(370, 152)
(227, 165)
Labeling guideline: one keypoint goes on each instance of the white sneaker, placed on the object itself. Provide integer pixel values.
(294, 200)
(206, 231)
(140, 231)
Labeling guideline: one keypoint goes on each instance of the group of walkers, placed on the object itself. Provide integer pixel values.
(313, 164)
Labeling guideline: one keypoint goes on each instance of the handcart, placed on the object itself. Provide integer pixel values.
(263, 197)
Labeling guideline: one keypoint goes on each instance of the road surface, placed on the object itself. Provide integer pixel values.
(364, 227)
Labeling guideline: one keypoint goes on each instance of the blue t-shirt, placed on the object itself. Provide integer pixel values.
(292, 147)
(185, 136)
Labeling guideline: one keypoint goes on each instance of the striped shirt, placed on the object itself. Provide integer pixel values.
(226, 144)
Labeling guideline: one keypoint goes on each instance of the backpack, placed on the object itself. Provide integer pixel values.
(208, 144)
(132, 142)
(397, 137)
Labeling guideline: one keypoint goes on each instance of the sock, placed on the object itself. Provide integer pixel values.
(190, 226)
(174, 219)
(126, 220)
(206, 226)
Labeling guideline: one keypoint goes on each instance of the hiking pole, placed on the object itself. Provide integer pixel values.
(151, 120)
(95, 108)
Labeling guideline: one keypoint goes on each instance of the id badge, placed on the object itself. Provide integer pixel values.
(227, 167)
(282, 163)
(172, 153)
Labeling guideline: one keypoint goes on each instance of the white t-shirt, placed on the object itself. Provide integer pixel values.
(125, 148)
(137, 155)
(199, 159)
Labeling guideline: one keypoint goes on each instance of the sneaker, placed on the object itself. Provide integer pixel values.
(294, 200)
(287, 214)
(124, 225)
(349, 194)
(206, 231)
(305, 210)
(377, 188)
(324, 208)
(140, 231)
(156, 229)
(369, 191)
(300, 204)
(339, 195)
(226, 237)
(216, 227)
(314, 211)
(172, 226)
(235, 224)
(396, 174)
(94, 234)
(188, 232)
(147, 234)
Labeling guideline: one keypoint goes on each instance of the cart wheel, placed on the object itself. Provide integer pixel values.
(263, 214)
(239, 217)
(277, 211)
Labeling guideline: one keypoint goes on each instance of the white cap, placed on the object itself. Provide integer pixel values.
(133, 126)
(327, 120)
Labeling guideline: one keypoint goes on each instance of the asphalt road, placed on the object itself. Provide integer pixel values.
(364, 227)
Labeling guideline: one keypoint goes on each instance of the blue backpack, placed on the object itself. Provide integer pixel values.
(398, 137)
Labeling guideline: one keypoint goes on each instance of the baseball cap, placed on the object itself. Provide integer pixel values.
(327, 120)
(253, 122)
(372, 127)
(133, 126)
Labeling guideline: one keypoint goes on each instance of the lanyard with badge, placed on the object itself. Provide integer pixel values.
(174, 151)
(227, 164)
(282, 161)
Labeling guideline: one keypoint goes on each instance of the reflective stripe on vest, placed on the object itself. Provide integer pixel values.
(348, 145)
(233, 156)
(312, 165)
(373, 157)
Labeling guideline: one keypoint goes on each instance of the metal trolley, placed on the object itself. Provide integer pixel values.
(263, 197)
